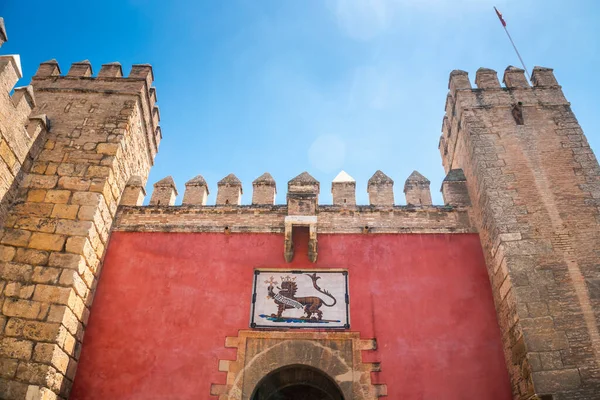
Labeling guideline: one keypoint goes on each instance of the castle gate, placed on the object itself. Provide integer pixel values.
(298, 365)
(297, 382)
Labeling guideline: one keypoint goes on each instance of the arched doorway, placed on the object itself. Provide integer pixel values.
(297, 382)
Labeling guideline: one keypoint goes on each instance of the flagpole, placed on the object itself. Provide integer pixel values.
(512, 42)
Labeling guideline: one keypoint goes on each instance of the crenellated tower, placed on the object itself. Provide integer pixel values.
(70, 146)
(533, 183)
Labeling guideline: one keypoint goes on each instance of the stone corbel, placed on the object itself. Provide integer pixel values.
(300, 220)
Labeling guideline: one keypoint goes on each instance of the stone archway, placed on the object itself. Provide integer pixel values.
(337, 355)
(297, 382)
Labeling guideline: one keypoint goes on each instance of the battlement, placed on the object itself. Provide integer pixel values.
(303, 191)
(109, 80)
(516, 95)
(19, 130)
(3, 36)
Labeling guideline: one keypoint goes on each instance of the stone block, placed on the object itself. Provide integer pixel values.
(555, 381)
(36, 195)
(34, 373)
(74, 228)
(46, 225)
(30, 256)
(50, 353)
(58, 196)
(72, 278)
(16, 272)
(40, 331)
(12, 389)
(40, 393)
(74, 183)
(8, 367)
(86, 198)
(7, 253)
(40, 181)
(52, 294)
(45, 275)
(47, 241)
(16, 237)
(66, 260)
(16, 348)
(21, 308)
(65, 211)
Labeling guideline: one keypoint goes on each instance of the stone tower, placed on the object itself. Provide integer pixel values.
(73, 149)
(535, 190)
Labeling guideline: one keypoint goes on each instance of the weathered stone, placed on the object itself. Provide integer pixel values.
(16, 348)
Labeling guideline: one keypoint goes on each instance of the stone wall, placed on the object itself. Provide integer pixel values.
(535, 188)
(330, 219)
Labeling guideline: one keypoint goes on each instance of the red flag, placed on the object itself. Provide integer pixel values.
(500, 17)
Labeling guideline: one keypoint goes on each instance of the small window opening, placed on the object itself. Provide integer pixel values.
(227, 201)
(517, 113)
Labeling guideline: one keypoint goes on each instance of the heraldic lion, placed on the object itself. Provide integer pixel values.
(286, 298)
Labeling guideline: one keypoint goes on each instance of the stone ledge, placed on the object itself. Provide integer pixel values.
(271, 219)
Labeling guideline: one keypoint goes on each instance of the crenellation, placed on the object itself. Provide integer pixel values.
(229, 191)
(264, 189)
(23, 99)
(515, 103)
(134, 192)
(81, 68)
(3, 36)
(165, 192)
(111, 70)
(142, 71)
(153, 96)
(515, 78)
(48, 68)
(417, 191)
(381, 190)
(137, 84)
(155, 115)
(302, 188)
(196, 192)
(487, 79)
(343, 190)
(303, 195)
(544, 77)
(459, 80)
(157, 137)
(10, 71)
(454, 189)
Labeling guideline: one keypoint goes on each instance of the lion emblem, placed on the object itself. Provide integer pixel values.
(286, 298)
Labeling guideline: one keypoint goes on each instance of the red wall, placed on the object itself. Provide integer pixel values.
(166, 302)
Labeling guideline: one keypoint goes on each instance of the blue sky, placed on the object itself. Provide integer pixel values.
(284, 86)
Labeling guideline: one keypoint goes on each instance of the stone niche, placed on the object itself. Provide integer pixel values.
(331, 356)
